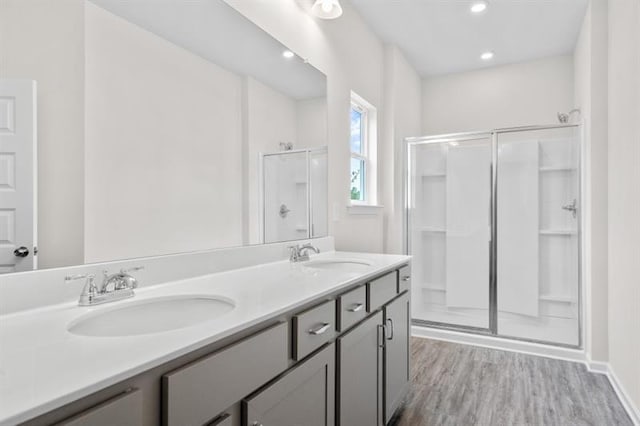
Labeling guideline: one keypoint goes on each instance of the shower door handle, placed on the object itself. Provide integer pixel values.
(572, 207)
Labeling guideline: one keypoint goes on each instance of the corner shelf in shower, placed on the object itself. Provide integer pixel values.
(557, 168)
(433, 287)
(556, 298)
(433, 175)
(431, 229)
(558, 232)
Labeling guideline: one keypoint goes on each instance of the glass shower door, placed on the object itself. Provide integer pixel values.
(538, 235)
(286, 191)
(449, 200)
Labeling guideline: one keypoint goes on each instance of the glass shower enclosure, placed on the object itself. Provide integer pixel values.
(293, 195)
(493, 224)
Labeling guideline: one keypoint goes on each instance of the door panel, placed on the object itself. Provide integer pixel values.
(17, 175)
(449, 230)
(285, 198)
(360, 377)
(538, 234)
(304, 396)
(396, 353)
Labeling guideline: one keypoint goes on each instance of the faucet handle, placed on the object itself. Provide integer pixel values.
(89, 290)
(294, 252)
(132, 269)
(75, 277)
(128, 281)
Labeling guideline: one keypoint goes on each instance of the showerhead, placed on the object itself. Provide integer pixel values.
(563, 117)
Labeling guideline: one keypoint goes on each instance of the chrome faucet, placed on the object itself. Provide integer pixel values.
(301, 253)
(114, 287)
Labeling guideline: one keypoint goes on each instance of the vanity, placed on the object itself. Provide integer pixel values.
(145, 273)
(321, 342)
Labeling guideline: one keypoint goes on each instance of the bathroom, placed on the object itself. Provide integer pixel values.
(319, 212)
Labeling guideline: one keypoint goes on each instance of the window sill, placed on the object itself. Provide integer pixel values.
(364, 209)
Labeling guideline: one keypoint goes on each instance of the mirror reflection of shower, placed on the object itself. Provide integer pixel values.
(294, 183)
(565, 117)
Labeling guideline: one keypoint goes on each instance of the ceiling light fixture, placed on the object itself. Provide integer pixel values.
(487, 56)
(288, 54)
(479, 6)
(326, 9)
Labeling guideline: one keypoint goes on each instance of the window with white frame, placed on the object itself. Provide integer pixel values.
(362, 148)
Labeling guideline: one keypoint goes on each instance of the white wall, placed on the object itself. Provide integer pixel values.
(163, 154)
(271, 118)
(504, 96)
(624, 194)
(50, 50)
(403, 102)
(311, 123)
(590, 66)
(352, 58)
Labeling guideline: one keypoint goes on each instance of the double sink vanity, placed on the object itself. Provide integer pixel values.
(167, 293)
(323, 341)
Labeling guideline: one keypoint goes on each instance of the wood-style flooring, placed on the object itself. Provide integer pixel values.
(464, 385)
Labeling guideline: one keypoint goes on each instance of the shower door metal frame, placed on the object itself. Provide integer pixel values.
(309, 202)
(492, 330)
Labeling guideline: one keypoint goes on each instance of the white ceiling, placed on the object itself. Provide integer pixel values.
(215, 31)
(443, 36)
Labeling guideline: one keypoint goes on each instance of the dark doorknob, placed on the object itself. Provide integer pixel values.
(21, 252)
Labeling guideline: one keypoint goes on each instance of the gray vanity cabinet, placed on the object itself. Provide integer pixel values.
(359, 386)
(303, 396)
(341, 359)
(396, 353)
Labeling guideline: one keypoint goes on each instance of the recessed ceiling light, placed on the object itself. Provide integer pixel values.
(326, 9)
(479, 6)
(486, 56)
(288, 54)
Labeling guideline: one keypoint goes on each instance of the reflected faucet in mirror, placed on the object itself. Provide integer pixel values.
(300, 253)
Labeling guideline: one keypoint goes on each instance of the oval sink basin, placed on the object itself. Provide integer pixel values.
(148, 316)
(351, 265)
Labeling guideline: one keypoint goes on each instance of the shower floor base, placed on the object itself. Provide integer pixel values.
(554, 330)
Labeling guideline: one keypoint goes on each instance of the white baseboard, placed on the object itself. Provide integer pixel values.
(598, 367)
(565, 354)
(623, 396)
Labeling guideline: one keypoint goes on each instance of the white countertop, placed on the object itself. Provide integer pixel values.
(43, 366)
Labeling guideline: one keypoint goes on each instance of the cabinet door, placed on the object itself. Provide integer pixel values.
(396, 353)
(303, 396)
(359, 384)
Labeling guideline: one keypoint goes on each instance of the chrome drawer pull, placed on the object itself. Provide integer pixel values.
(320, 330)
(356, 307)
(406, 278)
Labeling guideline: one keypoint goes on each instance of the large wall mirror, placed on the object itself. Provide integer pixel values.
(152, 128)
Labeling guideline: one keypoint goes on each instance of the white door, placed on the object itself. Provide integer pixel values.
(17, 175)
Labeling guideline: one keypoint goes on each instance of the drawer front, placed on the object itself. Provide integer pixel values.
(313, 328)
(404, 279)
(197, 393)
(381, 290)
(352, 307)
(123, 410)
